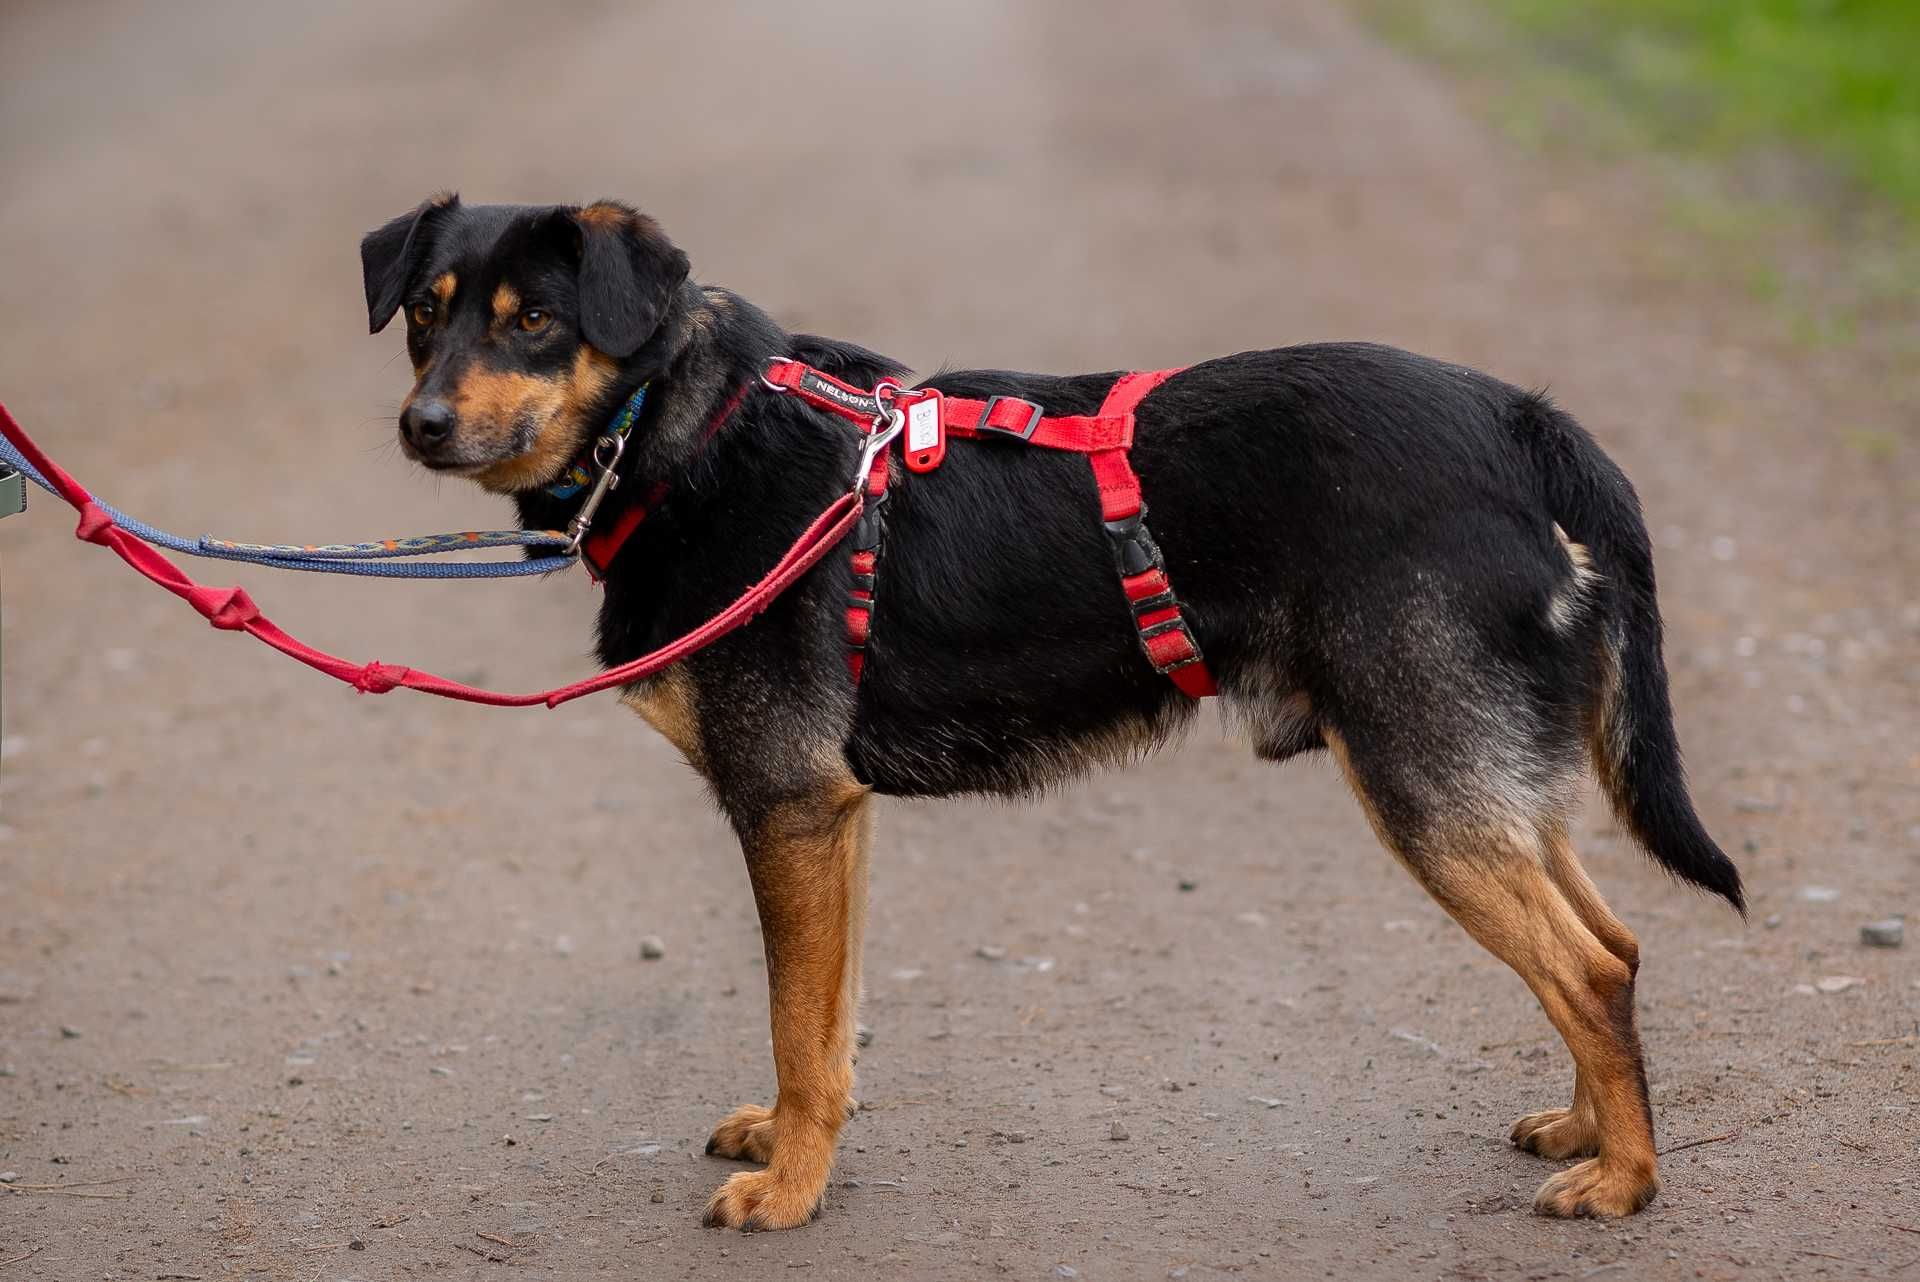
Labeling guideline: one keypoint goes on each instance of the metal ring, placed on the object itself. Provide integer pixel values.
(885, 393)
(619, 445)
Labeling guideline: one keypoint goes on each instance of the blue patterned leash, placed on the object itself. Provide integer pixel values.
(382, 558)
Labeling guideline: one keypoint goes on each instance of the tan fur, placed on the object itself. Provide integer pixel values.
(1564, 866)
(666, 702)
(443, 286)
(808, 865)
(1525, 898)
(492, 404)
(1575, 1132)
(603, 216)
(506, 305)
(1566, 602)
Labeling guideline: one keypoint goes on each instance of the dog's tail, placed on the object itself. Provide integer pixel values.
(1635, 751)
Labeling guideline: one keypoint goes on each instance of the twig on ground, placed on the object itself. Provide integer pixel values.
(219, 1066)
(1904, 1228)
(76, 1189)
(1711, 1139)
(496, 1238)
(15, 1259)
(488, 1256)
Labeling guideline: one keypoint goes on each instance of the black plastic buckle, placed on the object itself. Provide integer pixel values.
(1017, 433)
(866, 531)
(1134, 550)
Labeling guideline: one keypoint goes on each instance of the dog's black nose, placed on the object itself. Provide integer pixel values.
(427, 424)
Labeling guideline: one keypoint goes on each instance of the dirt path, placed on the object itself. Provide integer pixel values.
(295, 965)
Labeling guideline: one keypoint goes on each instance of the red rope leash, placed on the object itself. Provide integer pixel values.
(231, 609)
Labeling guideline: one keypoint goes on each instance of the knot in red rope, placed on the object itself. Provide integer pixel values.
(228, 608)
(94, 523)
(378, 677)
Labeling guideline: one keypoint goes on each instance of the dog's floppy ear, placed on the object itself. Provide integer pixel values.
(390, 255)
(629, 271)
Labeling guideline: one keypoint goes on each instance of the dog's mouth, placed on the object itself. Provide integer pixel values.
(526, 454)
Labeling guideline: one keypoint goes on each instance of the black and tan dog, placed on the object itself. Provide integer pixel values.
(1434, 576)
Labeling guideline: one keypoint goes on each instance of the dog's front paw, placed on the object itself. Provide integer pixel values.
(1557, 1133)
(1596, 1188)
(746, 1134)
(753, 1201)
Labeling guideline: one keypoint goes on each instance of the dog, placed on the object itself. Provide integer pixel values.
(1436, 577)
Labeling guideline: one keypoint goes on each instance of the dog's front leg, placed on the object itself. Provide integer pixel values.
(807, 859)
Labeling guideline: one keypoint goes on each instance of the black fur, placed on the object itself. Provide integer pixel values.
(391, 257)
(628, 275)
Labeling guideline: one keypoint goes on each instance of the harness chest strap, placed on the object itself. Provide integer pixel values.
(866, 559)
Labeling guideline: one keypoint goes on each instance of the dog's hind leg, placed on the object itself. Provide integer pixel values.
(1575, 1132)
(1515, 891)
(807, 860)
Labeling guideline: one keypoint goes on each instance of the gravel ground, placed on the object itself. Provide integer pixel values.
(342, 987)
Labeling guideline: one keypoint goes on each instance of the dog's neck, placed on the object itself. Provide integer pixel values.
(714, 353)
(710, 344)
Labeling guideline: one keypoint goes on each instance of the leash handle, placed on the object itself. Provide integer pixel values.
(231, 609)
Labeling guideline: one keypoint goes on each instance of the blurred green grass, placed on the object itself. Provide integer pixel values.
(1839, 76)
(1838, 79)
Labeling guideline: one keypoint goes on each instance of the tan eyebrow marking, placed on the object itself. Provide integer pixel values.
(506, 304)
(443, 286)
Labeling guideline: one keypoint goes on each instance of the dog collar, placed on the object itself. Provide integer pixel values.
(579, 476)
(599, 547)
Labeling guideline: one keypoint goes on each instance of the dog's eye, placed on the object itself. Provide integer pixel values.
(422, 314)
(533, 320)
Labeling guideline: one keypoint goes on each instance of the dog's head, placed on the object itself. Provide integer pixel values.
(527, 325)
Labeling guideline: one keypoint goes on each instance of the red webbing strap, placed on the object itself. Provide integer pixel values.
(1164, 632)
(233, 610)
(823, 391)
(866, 565)
(1077, 434)
(599, 548)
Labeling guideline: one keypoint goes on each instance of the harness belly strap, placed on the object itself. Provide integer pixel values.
(1165, 635)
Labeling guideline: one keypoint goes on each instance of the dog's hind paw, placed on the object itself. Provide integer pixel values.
(746, 1134)
(1596, 1188)
(1557, 1133)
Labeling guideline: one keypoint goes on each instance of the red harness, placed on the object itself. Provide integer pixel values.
(1165, 635)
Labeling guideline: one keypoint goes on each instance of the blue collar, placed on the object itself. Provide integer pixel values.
(578, 477)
